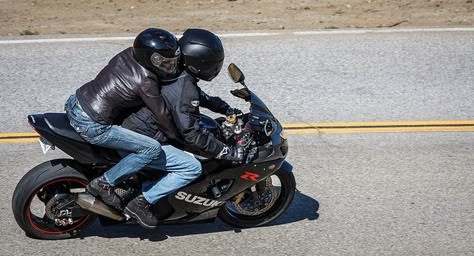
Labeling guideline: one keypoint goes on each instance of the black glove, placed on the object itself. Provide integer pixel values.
(233, 111)
(232, 153)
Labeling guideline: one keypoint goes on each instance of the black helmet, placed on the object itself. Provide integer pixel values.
(202, 53)
(157, 50)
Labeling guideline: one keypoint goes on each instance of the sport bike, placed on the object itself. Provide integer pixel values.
(51, 201)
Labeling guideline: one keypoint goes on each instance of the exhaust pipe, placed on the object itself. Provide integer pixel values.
(88, 202)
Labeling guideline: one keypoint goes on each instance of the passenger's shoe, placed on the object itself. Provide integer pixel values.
(140, 209)
(100, 187)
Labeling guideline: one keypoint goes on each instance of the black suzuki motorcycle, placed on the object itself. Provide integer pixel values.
(51, 201)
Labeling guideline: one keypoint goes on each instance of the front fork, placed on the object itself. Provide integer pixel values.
(254, 191)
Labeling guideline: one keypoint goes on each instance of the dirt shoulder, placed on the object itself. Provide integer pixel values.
(47, 17)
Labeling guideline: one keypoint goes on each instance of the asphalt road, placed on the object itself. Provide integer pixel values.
(360, 194)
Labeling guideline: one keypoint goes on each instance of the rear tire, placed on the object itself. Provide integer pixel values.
(240, 220)
(60, 173)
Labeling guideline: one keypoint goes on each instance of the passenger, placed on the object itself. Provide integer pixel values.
(131, 79)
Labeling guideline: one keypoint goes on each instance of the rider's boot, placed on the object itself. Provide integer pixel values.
(140, 209)
(100, 187)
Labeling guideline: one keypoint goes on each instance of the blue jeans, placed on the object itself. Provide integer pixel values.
(182, 168)
(142, 149)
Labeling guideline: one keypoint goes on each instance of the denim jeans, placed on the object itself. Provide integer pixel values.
(182, 168)
(142, 149)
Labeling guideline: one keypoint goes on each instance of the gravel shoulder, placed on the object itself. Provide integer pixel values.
(53, 17)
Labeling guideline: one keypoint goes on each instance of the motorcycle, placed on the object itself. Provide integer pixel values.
(51, 201)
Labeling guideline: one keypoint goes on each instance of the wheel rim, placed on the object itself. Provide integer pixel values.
(244, 210)
(38, 218)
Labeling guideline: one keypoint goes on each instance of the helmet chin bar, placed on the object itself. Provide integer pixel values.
(196, 74)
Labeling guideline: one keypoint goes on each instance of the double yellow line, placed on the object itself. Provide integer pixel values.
(322, 128)
(374, 127)
(18, 137)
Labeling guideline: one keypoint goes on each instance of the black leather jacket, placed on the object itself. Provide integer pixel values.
(183, 98)
(123, 85)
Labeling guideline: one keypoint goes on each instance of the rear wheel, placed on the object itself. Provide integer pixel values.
(262, 203)
(43, 204)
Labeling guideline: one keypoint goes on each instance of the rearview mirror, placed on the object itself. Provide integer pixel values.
(235, 74)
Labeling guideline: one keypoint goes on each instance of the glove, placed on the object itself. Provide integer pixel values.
(233, 111)
(232, 153)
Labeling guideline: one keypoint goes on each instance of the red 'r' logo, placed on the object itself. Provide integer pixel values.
(250, 176)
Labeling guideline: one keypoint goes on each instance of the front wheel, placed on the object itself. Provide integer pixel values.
(43, 204)
(261, 203)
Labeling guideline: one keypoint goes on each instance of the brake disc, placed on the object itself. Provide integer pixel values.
(245, 204)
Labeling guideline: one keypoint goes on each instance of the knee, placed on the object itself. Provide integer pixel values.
(195, 169)
(153, 151)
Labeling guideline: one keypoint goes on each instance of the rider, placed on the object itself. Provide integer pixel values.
(202, 56)
(131, 79)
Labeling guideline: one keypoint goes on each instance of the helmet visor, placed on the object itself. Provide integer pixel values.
(167, 65)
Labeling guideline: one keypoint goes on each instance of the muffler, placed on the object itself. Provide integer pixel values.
(89, 202)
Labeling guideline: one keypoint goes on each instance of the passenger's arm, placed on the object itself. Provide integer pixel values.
(151, 97)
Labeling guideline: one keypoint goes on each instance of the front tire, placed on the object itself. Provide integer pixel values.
(46, 182)
(237, 216)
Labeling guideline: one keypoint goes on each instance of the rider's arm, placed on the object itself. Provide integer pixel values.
(215, 104)
(185, 112)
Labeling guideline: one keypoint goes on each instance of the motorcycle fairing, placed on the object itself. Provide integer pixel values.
(186, 210)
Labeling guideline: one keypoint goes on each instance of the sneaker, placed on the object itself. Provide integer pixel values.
(100, 187)
(140, 209)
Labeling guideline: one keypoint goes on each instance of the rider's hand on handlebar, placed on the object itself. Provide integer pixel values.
(232, 153)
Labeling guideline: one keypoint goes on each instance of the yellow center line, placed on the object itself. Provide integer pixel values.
(18, 134)
(322, 128)
(381, 130)
(358, 124)
(5, 141)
